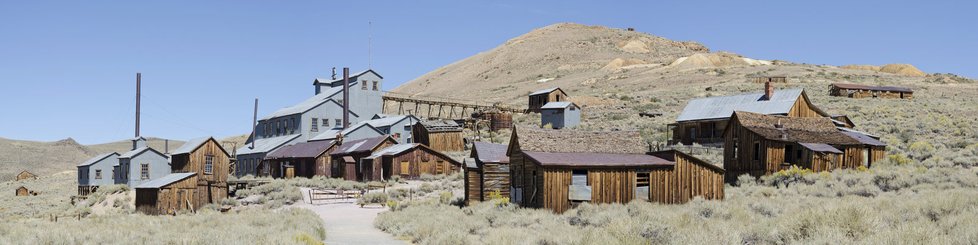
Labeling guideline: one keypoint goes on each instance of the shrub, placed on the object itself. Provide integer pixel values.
(373, 198)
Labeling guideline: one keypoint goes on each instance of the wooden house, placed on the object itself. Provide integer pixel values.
(23, 192)
(866, 91)
(409, 161)
(24, 175)
(759, 144)
(169, 194)
(560, 115)
(560, 169)
(305, 159)
(703, 120)
(542, 97)
(95, 172)
(208, 159)
(347, 155)
(440, 135)
(487, 171)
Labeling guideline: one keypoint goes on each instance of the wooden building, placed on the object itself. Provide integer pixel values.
(347, 155)
(95, 172)
(409, 161)
(23, 192)
(703, 120)
(200, 169)
(865, 91)
(24, 175)
(759, 144)
(169, 194)
(560, 115)
(305, 159)
(487, 171)
(560, 169)
(542, 97)
(440, 135)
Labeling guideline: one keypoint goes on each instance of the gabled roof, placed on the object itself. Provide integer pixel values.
(558, 105)
(793, 129)
(402, 148)
(550, 140)
(98, 158)
(441, 126)
(266, 145)
(165, 180)
(136, 152)
(546, 91)
(671, 155)
(574, 159)
(361, 145)
(490, 152)
(722, 106)
(873, 88)
(306, 105)
(311, 149)
(389, 121)
(352, 77)
(332, 133)
(863, 138)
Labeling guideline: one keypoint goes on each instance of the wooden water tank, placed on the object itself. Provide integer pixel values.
(499, 120)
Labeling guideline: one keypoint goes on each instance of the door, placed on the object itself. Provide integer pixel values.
(405, 168)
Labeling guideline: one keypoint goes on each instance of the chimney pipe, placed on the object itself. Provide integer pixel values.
(254, 125)
(768, 90)
(138, 85)
(166, 146)
(346, 97)
(334, 73)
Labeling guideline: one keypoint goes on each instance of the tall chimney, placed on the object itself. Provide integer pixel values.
(166, 146)
(768, 90)
(346, 97)
(138, 84)
(254, 125)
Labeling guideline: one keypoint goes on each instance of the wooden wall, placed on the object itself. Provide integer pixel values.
(212, 187)
(420, 161)
(473, 186)
(495, 177)
(803, 108)
(171, 198)
(682, 182)
(324, 163)
(22, 192)
(446, 141)
(537, 101)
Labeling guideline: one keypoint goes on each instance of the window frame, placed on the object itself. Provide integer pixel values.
(376, 87)
(98, 174)
(208, 164)
(144, 171)
(314, 127)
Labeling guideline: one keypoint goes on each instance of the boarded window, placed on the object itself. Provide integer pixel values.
(98, 174)
(144, 171)
(405, 168)
(866, 157)
(642, 180)
(579, 177)
(208, 164)
(315, 125)
(757, 151)
(364, 85)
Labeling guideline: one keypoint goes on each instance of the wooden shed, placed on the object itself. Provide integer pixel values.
(542, 97)
(23, 192)
(867, 91)
(347, 155)
(211, 165)
(409, 161)
(487, 171)
(560, 169)
(759, 144)
(169, 194)
(440, 135)
(24, 175)
(305, 159)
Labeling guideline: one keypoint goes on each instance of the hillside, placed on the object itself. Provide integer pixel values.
(46, 158)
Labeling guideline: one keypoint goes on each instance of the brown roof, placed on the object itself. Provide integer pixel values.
(567, 159)
(565, 140)
(490, 152)
(360, 145)
(794, 129)
(441, 126)
(874, 88)
(301, 150)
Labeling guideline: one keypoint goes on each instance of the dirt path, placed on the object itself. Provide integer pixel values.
(347, 223)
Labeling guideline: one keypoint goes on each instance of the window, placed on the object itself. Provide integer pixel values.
(315, 127)
(325, 122)
(578, 177)
(209, 164)
(757, 151)
(407, 127)
(375, 86)
(866, 157)
(642, 180)
(98, 174)
(363, 85)
(339, 123)
(788, 158)
(144, 171)
(397, 136)
(735, 143)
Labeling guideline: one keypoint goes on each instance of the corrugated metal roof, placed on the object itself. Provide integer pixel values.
(165, 180)
(544, 91)
(557, 105)
(394, 149)
(360, 145)
(490, 152)
(724, 106)
(190, 145)
(352, 77)
(301, 150)
(306, 105)
(819, 147)
(97, 159)
(331, 134)
(266, 145)
(135, 152)
(863, 138)
(389, 121)
(596, 159)
(868, 87)
(470, 163)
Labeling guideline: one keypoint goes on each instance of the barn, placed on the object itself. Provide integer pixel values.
(487, 172)
(866, 91)
(558, 170)
(409, 161)
(542, 97)
(347, 155)
(440, 135)
(210, 162)
(305, 159)
(24, 175)
(560, 115)
(169, 194)
(758, 144)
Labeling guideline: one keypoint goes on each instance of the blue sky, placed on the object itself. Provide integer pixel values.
(67, 69)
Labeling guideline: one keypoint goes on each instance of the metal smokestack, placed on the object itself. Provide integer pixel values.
(346, 97)
(254, 125)
(138, 84)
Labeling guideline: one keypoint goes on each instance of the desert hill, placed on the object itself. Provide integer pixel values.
(46, 158)
(899, 69)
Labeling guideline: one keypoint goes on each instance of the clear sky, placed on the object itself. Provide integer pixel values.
(67, 69)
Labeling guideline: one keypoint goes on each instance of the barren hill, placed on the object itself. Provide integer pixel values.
(46, 158)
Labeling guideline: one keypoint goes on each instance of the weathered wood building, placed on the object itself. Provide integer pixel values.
(306, 159)
(703, 120)
(542, 97)
(758, 144)
(409, 161)
(347, 155)
(866, 91)
(200, 168)
(24, 175)
(440, 135)
(168, 194)
(95, 172)
(559, 169)
(487, 172)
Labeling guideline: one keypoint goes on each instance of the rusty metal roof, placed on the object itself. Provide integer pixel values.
(567, 159)
(310, 149)
(794, 129)
(490, 152)
(361, 145)
(874, 88)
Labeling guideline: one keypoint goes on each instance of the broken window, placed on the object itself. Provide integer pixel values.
(314, 126)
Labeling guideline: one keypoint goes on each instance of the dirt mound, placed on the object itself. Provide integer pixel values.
(714, 60)
(899, 69)
(619, 63)
(634, 46)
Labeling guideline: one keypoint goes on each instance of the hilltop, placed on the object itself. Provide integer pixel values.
(46, 158)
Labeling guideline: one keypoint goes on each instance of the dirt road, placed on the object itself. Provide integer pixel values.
(347, 223)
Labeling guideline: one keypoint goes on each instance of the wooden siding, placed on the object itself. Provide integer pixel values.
(439, 141)
(211, 187)
(684, 181)
(23, 175)
(22, 192)
(420, 161)
(473, 187)
(803, 108)
(495, 177)
(537, 101)
(864, 93)
(169, 199)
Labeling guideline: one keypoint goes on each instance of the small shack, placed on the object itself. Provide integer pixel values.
(211, 165)
(24, 175)
(409, 161)
(542, 97)
(23, 192)
(758, 144)
(560, 115)
(305, 159)
(169, 194)
(440, 135)
(347, 155)
(865, 91)
(487, 172)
